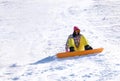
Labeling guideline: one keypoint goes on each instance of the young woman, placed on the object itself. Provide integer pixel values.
(77, 42)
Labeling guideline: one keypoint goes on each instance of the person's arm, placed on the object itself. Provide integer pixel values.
(66, 45)
(87, 46)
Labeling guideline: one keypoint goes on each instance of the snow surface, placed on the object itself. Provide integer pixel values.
(32, 32)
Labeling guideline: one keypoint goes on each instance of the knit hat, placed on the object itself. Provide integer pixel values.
(76, 28)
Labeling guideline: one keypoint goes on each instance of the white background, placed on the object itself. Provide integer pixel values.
(32, 32)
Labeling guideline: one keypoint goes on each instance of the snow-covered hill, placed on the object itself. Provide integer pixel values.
(32, 32)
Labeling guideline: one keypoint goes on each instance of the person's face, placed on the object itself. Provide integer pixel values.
(77, 32)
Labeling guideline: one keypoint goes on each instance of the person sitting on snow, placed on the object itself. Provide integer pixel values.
(77, 42)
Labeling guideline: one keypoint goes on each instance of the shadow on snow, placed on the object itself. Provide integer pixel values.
(45, 60)
(53, 58)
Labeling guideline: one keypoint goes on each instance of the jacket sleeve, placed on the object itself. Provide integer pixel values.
(66, 45)
(85, 41)
(86, 44)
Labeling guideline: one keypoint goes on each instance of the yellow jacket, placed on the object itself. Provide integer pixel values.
(71, 43)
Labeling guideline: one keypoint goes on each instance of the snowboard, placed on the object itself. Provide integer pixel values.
(79, 53)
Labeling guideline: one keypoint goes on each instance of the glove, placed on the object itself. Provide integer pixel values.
(87, 47)
(72, 49)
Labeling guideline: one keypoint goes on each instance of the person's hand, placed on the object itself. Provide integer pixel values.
(88, 47)
(67, 50)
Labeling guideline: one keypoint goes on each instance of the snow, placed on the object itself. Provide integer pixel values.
(32, 32)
